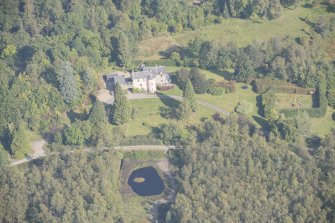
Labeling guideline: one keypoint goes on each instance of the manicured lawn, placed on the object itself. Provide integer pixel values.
(293, 100)
(150, 114)
(322, 126)
(240, 31)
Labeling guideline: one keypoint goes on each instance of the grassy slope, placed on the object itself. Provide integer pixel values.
(149, 115)
(239, 31)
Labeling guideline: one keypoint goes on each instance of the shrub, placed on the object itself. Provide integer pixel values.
(331, 97)
(137, 90)
(215, 91)
(229, 86)
(243, 108)
(165, 88)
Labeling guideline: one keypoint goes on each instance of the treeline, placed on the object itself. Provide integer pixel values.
(229, 174)
(62, 188)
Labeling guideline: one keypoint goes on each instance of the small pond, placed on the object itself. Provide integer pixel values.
(146, 182)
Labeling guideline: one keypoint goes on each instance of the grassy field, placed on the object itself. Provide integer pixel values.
(322, 126)
(153, 112)
(239, 31)
(293, 100)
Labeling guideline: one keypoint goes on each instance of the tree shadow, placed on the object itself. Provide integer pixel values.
(264, 125)
(170, 108)
(223, 73)
(167, 53)
(260, 109)
(74, 116)
(313, 142)
(330, 6)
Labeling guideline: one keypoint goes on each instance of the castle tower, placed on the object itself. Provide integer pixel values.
(151, 82)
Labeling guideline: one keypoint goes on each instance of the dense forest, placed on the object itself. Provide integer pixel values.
(230, 175)
(62, 188)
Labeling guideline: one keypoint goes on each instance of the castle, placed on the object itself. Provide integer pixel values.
(147, 79)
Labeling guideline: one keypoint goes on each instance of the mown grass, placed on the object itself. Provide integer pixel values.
(322, 126)
(239, 31)
(151, 113)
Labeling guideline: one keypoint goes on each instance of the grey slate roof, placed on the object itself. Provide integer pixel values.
(140, 74)
(119, 80)
(148, 72)
(155, 70)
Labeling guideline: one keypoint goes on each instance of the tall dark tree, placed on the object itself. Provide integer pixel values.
(188, 94)
(184, 110)
(120, 111)
(67, 83)
(244, 68)
(121, 49)
(199, 81)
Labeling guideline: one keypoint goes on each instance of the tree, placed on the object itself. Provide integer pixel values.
(97, 114)
(121, 52)
(99, 121)
(199, 81)
(73, 136)
(331, 97)
(184, 110)
(67, 83)
(4, 156)
(19, 146)
(243, 68)
(188, 94)
(120, 111)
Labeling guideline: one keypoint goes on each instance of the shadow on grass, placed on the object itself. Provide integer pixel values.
(223, 73)
(170, 108)
(74, 116)
(263, 123)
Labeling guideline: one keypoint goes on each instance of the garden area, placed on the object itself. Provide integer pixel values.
(294, 101)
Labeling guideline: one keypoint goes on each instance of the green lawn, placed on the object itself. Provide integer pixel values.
(240, 31)
(149, 115)
(322, 126)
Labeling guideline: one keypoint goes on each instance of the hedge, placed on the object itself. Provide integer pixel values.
(268, 100)
(318, 112)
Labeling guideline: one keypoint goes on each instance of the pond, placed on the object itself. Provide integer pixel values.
(146, 182)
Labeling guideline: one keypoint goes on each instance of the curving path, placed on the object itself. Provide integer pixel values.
(107, 98)
(38, 152)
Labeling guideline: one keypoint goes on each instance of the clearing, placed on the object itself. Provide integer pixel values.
(239, 31)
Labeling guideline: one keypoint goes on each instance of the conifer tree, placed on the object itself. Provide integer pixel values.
(120, 111)
(97, 114)
(189, 95)
(184, 110)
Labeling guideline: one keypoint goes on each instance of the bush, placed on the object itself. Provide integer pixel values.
(331, 97)
(165, 88)
(229, 86)
(243, 108)
(137, 90)
(215, 91)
